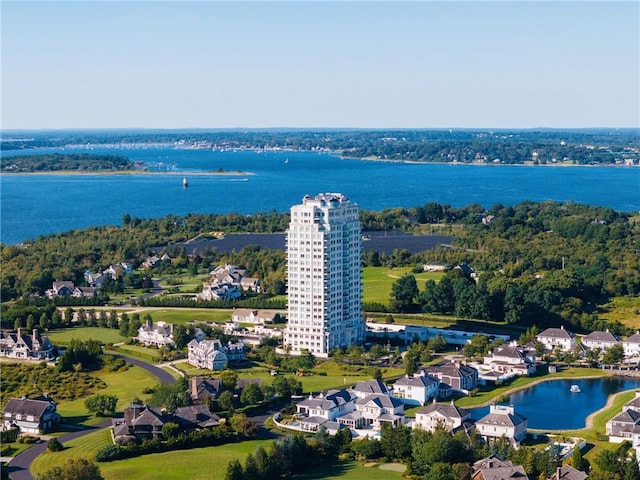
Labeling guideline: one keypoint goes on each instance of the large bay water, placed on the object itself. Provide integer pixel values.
(32, 205)
(551, 405)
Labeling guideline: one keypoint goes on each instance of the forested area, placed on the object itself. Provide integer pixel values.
(533, 263)
(52, 162)
(581, 146)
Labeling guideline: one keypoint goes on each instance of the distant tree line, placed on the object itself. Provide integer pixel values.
(580, 146)
(51, 162)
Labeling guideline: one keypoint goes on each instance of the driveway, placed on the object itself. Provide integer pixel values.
(19, 466)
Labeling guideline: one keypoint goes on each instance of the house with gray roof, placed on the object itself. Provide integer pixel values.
(141, 421)
(561, 338)
(508, 361)
(370, 387)
(158, 335)
(631, 345)
(26, 347)
(567, 472)
(460, 377)
(60, 289)
(379, 408)
(201, 388)
(315, 411)
(30, 415)
(601, 340)
(494, 468)
(502, 421)
(441, 415)
(417, 389)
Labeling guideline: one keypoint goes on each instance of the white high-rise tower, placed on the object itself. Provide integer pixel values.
(324, 251)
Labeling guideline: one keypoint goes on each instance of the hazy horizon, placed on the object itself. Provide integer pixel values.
(320, 65)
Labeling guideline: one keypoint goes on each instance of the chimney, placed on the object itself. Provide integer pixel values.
(34, 335)
(194, 387)
(19, 333)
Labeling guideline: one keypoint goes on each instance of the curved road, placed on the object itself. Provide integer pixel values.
(19, 466)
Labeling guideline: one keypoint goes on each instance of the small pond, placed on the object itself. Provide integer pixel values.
(551, 405)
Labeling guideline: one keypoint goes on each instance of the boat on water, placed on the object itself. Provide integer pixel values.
(575, 389)
(184, 182)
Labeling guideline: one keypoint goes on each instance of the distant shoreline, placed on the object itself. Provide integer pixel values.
(129, 172)
(490, 164)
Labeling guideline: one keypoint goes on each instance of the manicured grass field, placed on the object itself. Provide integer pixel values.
(63, 336)
(143, 353)
(625, 310)
(83, 447)
(348, 470)
(184, 315)
(377, 282)
(125, 385)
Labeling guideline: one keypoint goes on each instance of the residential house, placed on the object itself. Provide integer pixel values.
(561, 338)
(30, 415)
(601, 340)
(625, 425)
(365, 388)
(323, 408)
(159, 335)
(417, 389)
(509, 361)
(223, 291)
(60, 289)
(631, 345)
(567, 472)
(502, 421)
(233, 275)
(244, 315)
(94, 279)
(460, 377)
(201, 388)
(84, 292)
(494, 468)
(30, 347)
(441, 415)
(141, 421)
(379, 408)
(207, 354)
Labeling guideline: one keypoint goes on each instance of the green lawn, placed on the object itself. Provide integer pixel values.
(625, 310)
(63, 336)
(184, 315)
(348, 470)
(139, 351)
(83, 447)
(125, 385)
(194, 464)
(377, 282)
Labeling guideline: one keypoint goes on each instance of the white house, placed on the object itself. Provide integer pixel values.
(501, 421)
(631, 345)
(417, 389)
(459, 376)
(159, 335)
(223, 291)
(601, 340)
(325, 408)
(378, 409)
(442, 415)
(208, 354)
(60, 289)
(244, 315)
(510, 360)
(553, 338)
(33, 347)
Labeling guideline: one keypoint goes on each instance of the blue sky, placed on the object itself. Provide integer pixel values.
(320, 64)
